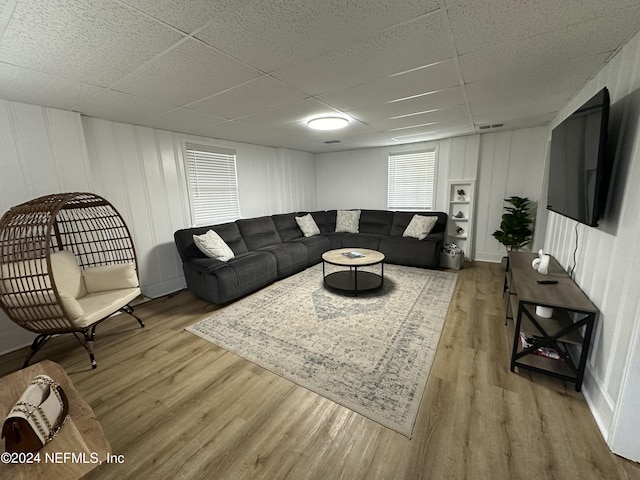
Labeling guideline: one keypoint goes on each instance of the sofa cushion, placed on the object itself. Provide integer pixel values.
(290, 257)
(258, 232)
(420, 226)
(308, 225)
(362, 240)
(287, 226)
(229, 232)
(316, 246)
(348, 221)
(376, 221)
(326, 220)
(212, 245)
(401, 221)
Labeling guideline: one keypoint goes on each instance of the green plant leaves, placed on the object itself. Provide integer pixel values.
(515, 231)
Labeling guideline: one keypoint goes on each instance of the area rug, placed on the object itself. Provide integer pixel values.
(371, 353)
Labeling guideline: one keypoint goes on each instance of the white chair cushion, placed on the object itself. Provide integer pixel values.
(67, 273)
(110, 277)
(420, 226)
(348, 221)
(308, 225)
(213, 246)
(102, 304)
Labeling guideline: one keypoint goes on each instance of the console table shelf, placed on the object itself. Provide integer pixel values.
(568, 331)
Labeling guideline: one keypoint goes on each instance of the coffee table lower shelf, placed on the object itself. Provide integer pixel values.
(353, 281)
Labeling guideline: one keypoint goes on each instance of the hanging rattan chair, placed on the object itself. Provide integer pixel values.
(67, 262)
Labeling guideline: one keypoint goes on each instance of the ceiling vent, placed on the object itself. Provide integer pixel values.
(329, 142)
(486, 127)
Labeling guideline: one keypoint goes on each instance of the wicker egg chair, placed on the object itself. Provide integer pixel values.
(67, 262)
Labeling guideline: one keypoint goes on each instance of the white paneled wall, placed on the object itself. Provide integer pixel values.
(503, 164)
(608, 260)
(42, 151)
(511, 164)
(358, 178)
(141, 171)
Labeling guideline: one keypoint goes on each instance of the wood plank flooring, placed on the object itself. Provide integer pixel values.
(177, 406)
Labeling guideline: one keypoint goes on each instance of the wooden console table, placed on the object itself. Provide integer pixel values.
(81, 435)
(567, 333)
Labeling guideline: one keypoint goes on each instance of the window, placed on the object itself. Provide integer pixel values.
(411, 180)
(213, 186)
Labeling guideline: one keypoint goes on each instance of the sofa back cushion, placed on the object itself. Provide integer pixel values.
(287, 226)
(376, 221)
(402, 219)
(258, 232)
(229, 232)
(326, 220)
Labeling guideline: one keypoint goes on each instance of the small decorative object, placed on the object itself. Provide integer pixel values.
(541, 264)
(459, 231)
(37, 416)
(459, 215)
(462, 195)
(544, 312)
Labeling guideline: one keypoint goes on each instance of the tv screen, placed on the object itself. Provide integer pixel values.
(579, 169)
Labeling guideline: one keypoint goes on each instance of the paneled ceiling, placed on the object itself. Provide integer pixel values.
(403, 71)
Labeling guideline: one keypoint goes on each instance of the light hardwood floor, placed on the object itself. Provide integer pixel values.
(177, 406)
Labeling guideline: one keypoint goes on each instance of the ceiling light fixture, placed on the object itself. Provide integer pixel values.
(328, 123)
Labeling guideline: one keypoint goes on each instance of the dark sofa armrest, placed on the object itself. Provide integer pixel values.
(434, 237)
(205, 265)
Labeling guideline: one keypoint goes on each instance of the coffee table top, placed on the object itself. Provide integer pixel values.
(361, 257)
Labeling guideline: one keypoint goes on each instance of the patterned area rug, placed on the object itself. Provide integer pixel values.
(371, 353)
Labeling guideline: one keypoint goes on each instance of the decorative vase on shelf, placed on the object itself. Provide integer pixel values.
(462, 195)
(459, 231)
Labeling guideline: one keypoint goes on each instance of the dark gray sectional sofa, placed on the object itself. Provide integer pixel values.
(273, 247)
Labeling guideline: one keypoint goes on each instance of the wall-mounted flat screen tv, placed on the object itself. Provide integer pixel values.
(579, 168)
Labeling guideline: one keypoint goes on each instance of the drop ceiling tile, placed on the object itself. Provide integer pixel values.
(442, 99)
(419, 117)
(121, 107)
(183, 16)
(395, 50)
(185, 74)
(437, 76)
(557, 53)
(271, 33)
(24, 85)
(478, 23)
(184, 121)
(252, 97)
(91, 41)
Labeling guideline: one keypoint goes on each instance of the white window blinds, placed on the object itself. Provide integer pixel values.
(213, 186)
(411, 180)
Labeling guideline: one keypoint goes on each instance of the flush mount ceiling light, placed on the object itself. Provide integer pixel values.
(328, 123)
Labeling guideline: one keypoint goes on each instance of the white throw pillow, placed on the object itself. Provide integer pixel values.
(212, 245)
(348, 221)
(308, 225)
(420, 226)
(110, 277)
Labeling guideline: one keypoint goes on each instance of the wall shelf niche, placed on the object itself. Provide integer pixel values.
(461, 196)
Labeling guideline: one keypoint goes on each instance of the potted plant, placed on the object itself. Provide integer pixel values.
(515, 231)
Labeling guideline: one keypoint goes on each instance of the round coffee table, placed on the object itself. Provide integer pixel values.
(353, 280)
